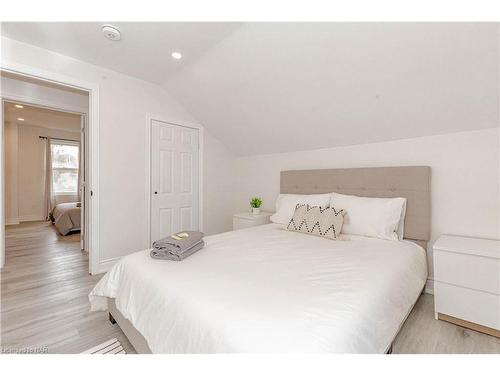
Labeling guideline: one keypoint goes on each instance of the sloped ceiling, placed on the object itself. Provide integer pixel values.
(270, 88)
(278, 87)
(143, 52)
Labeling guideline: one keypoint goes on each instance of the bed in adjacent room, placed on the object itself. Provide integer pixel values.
(66, 217)
(267, 289)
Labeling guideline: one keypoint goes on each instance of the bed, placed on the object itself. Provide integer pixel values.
(265, 289)
(66, 217)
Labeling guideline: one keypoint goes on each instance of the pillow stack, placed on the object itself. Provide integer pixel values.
(328, 215)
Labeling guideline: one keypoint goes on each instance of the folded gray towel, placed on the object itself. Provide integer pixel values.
(179, 242)
(167, 254)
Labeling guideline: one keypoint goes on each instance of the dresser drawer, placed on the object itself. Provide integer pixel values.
(472, 305)
(471, 271)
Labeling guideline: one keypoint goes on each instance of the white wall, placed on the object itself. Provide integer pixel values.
(218, 194)
(11, 167)
(31, 171)
(123, 104)
(465, 175)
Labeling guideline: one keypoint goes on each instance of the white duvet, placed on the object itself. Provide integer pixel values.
(264, 289)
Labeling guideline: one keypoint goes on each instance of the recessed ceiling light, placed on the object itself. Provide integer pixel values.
(177, 55)
(19, 106)
(20, 119)
(111, 32)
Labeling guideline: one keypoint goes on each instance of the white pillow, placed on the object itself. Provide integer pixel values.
(371, 217)
(286, 203)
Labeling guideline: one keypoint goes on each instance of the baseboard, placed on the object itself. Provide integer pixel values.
(106, 265)
(429, 286)
(12, 221)
(31, 218)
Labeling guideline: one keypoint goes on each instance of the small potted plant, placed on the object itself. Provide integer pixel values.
(255, 203)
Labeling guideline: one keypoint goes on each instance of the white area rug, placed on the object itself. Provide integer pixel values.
(112, 346)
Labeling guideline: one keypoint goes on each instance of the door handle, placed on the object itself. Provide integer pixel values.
(156, 192)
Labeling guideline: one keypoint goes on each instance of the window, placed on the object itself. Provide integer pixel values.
(65, 160)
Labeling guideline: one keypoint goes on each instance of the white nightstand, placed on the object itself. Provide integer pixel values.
(467, 282)
(247, 219)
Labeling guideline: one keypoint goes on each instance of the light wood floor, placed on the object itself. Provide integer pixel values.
(422, 334)
(45, 283)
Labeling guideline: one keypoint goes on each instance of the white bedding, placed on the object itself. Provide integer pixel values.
(264, 289)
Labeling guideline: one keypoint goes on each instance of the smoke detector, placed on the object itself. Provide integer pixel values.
(111, 32)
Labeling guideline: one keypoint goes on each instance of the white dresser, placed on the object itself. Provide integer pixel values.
(247, 219)
(467, 282)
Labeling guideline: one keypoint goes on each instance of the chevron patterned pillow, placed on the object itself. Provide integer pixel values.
(319, 221)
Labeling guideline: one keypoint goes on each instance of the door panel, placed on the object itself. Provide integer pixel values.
(166, 166)
(174, 179)
(166, 133)
(186, 172)
(166, 226)
(186, 218)
(186, 137)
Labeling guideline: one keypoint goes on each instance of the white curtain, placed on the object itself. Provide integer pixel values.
(50, 199)
(80, 168)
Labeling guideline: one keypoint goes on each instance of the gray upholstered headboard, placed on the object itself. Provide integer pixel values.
(412, 183)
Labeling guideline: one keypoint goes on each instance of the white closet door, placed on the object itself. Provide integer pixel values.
(174, 179)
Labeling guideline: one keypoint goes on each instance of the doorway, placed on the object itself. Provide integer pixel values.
(69, 161)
